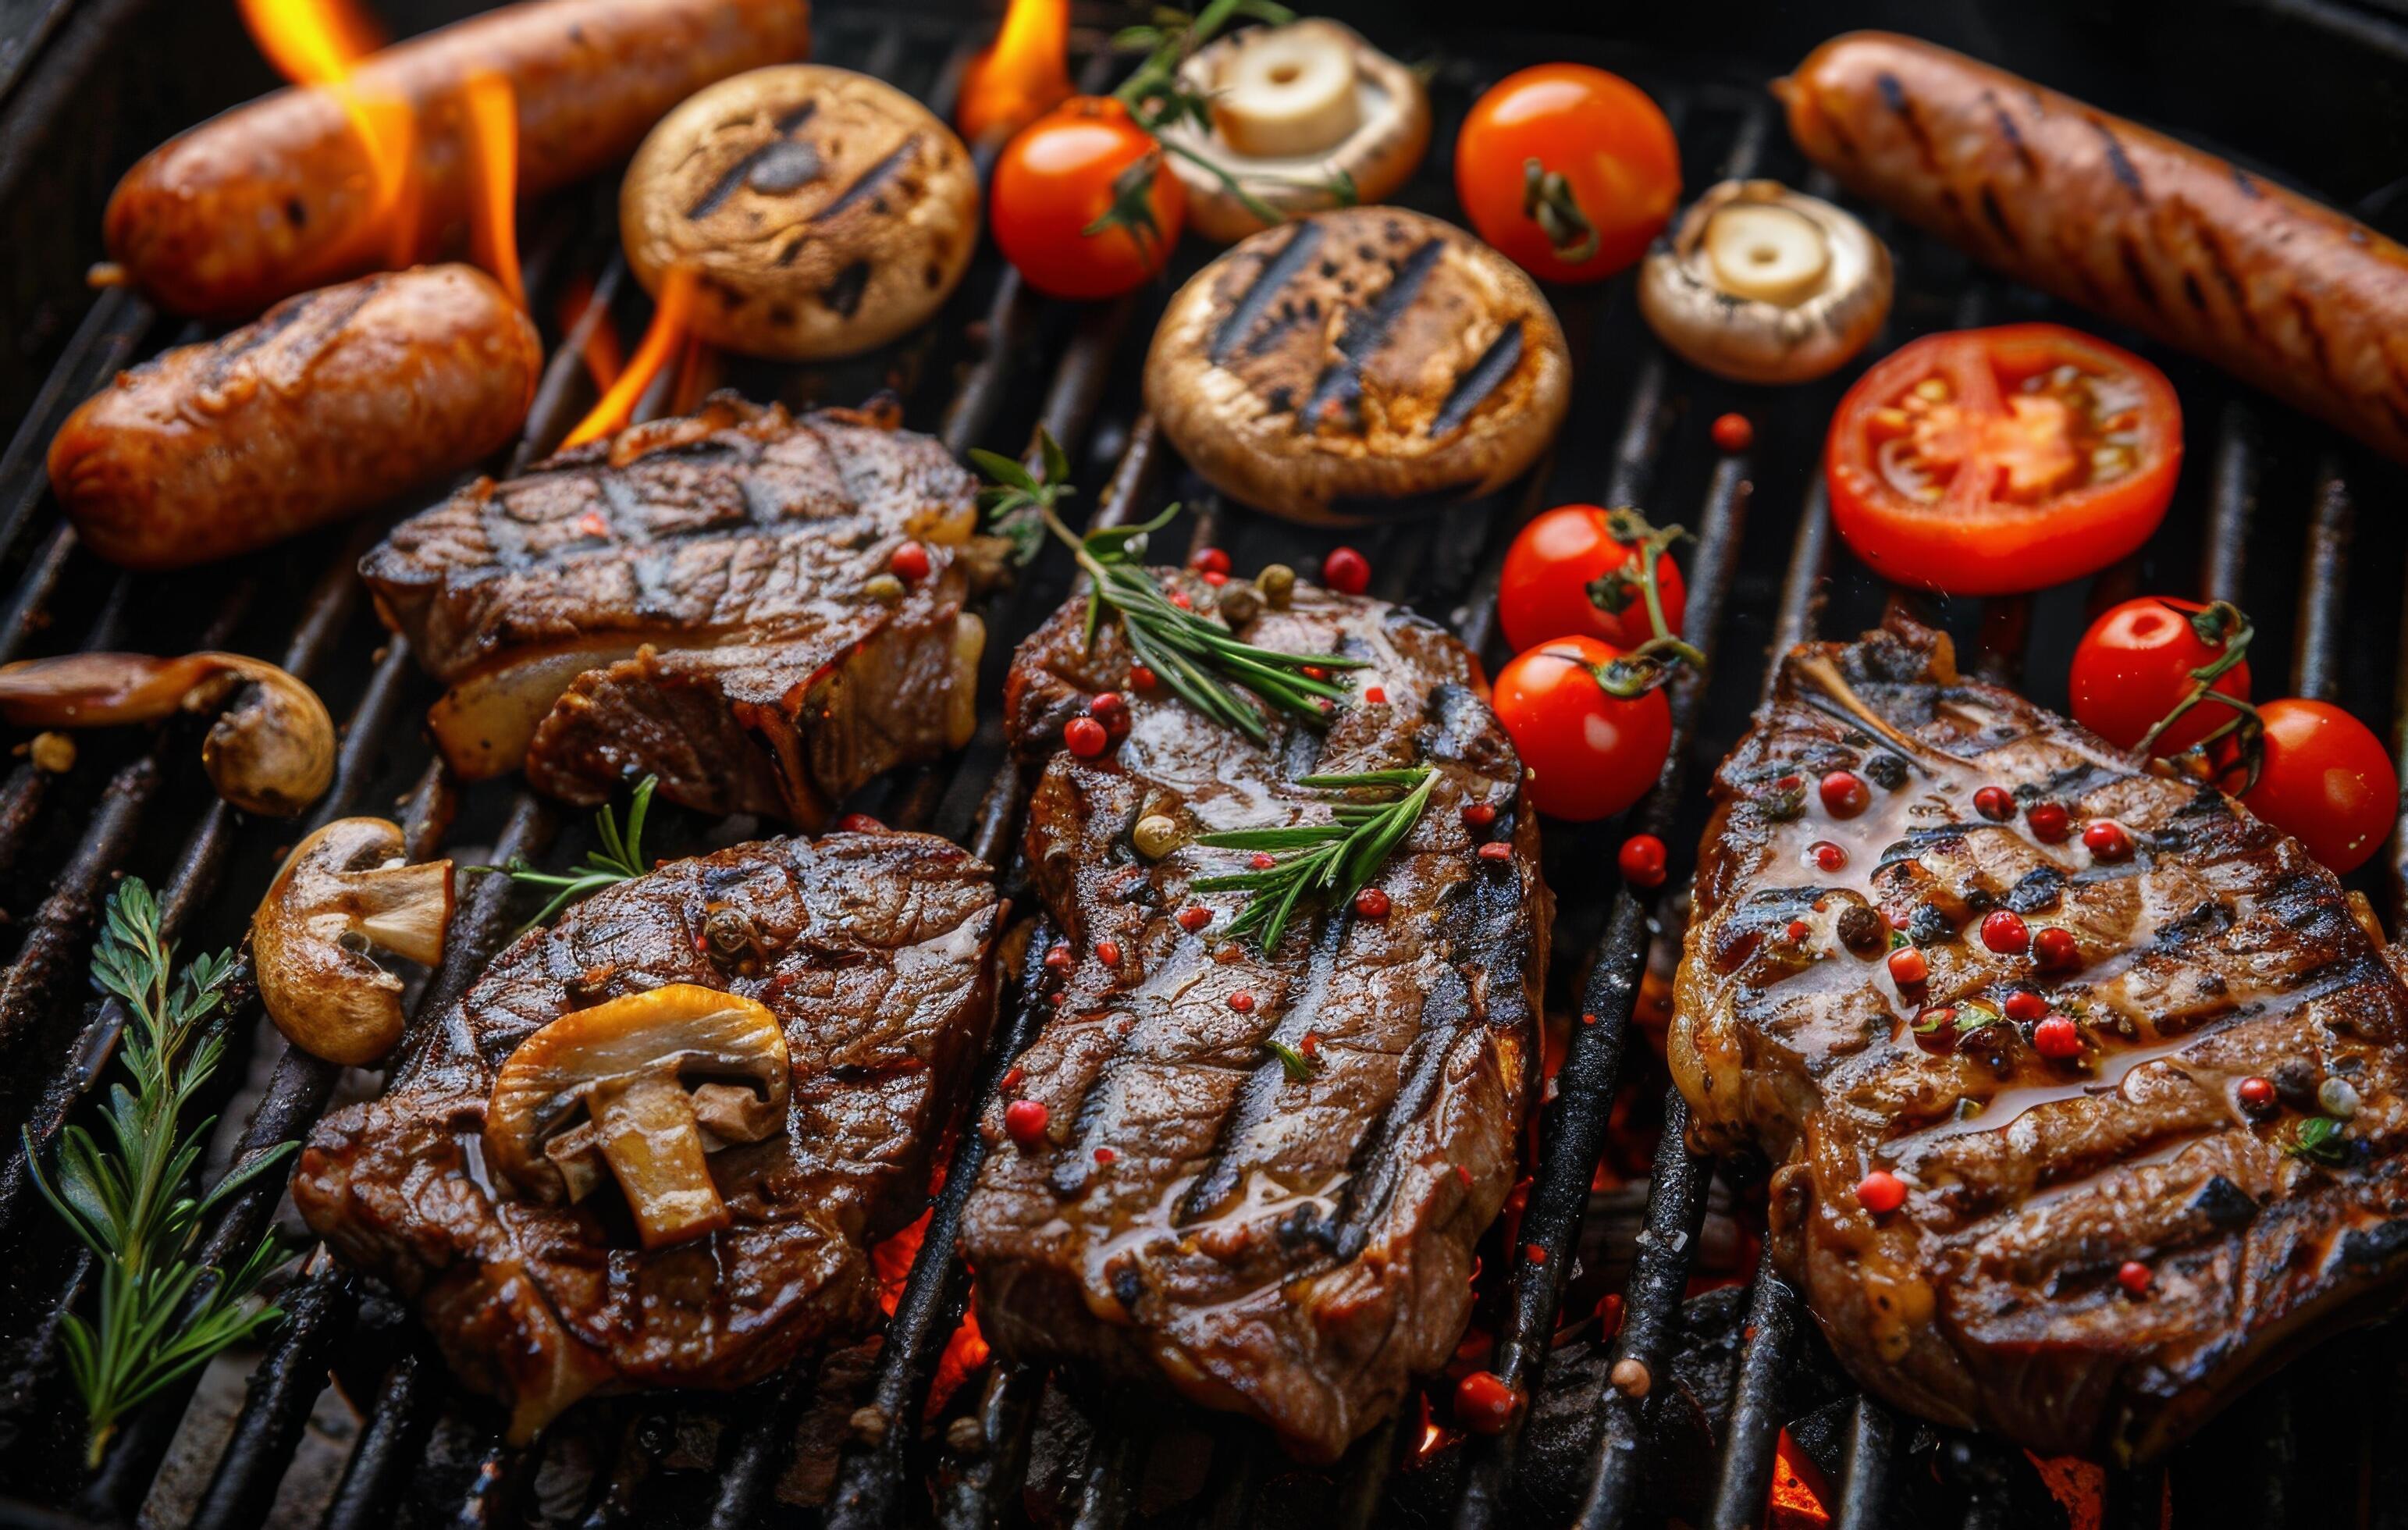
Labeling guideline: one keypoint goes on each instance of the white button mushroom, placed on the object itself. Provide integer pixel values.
(660, 1077)
(1759, 284)
(345, 891)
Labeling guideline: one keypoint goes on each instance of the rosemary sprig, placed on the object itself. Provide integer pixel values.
(1158, 96)
(1200, 659)
(621, 858)
(1328, 863)
(130, 1197)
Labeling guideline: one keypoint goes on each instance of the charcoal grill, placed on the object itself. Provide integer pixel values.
(2269, 515)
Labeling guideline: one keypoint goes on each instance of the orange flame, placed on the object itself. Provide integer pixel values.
(315, 42)
(1025, 75)
(965, 1352)
(661, 342)
(492, 113)
(603, 359)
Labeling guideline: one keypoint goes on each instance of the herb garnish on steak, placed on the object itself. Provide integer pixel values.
(1172, 1196)
(2076, 1134)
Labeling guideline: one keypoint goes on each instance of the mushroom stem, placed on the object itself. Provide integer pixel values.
(406, 909)
(646, 1132)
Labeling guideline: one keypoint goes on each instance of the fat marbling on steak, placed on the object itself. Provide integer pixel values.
(1294, 1249)
(2216, 951)
(871, 949)
(709, 599)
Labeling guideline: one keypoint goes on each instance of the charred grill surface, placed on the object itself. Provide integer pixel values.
(2215, 952)
(1292, 1248)
(871, 952)
(710, 599)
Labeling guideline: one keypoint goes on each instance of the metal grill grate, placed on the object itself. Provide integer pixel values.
(1762, 574)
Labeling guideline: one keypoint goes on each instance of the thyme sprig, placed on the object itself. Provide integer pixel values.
(2218, 623)
(1159, 96)
(1653, 662)
(1200, 660)
(621, 858)
(128, 1193)
(1326, 863)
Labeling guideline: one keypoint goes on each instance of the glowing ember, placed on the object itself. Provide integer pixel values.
(599, 348)
(494, 142)
(890, 1262)
(2079, 1485)
(1023, 76)
(315, 42)
(662, 341)
(965, 1352)
(1797, 1490)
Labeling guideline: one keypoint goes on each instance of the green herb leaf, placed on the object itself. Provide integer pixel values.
(620, 858)
(1298, 1066)
(1328, 861)
(131, 1201)
(2319, 1139)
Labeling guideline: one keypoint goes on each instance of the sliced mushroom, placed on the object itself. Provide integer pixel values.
(1759, 284)
(344, 892)
(661, 1077)
(271, 751)
(1296, 109)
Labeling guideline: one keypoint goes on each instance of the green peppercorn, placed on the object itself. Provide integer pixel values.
(1156, 835)
(1277, 581)
(884, 588)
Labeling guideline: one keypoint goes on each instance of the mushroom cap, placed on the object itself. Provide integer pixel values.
(824, 212)
(272, 750)
(728, 1050)
(343, 891)
(1357, 364)
(1754, 339)
(1391, 134)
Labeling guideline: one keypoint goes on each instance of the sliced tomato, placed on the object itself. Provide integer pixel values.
(1987, 462)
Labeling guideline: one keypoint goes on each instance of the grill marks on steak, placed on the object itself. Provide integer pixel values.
(1295, 1249)
(873, 955)
(694, 598)
(2220, 951)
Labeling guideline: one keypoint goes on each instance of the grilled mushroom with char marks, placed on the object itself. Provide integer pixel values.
(271, 751)
(1357, 364)
(1298, 111)
(1759, 284)
(663, 1077)
(346, 891)
(823, 213)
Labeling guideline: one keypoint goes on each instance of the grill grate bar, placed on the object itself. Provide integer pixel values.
(1871, 1434)
(1769, 1346)
(2315, 658)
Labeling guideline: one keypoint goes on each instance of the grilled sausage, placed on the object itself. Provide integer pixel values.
(281, 195)
(332, 402)
(2307, 303)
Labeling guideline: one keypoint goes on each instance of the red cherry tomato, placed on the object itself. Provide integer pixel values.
(2327, 782)
(2134, 666)
(1065, 172)
(1590, 753)
(1549, 587)
(1986, 462)
(1608, 170)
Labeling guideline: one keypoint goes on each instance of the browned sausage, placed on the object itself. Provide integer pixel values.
(2307, 303)
(281, 196)
(332, 402)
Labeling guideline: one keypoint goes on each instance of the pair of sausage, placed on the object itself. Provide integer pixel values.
(343, 396)
(2287, 294)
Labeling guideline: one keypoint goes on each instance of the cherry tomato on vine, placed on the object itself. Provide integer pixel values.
(1590, 753)
(1081, 202)
(2134, 666)
(1569, 170)
(2326, 780)
(1549, 587)
(1988, 462)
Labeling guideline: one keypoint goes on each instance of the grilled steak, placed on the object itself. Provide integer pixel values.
(1293, 1249)
(2213, 951)
(870, 950)
(710, 599)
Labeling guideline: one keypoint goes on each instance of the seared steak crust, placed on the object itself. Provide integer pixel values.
(700, 598)
(871, 951)
(1293, 1249)
(2218, 951)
